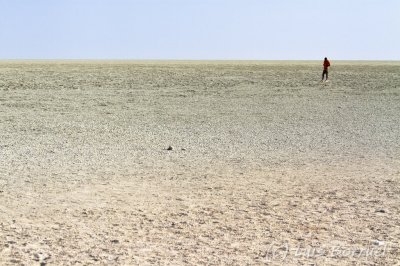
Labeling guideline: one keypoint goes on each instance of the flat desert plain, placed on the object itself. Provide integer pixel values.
(268, 165)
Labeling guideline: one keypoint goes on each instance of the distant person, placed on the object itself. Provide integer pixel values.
(325, 72)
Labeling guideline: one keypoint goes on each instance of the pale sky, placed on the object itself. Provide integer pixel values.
(200, 29)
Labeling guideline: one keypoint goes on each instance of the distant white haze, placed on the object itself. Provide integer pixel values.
(200, 29)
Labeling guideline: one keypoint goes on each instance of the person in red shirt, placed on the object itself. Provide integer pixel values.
(325, 72)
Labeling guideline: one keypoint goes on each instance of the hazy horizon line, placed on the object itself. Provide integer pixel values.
(188, 59)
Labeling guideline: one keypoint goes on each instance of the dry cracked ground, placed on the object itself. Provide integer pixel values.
(268, 166)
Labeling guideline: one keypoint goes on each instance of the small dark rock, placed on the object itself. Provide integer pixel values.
(170, 148)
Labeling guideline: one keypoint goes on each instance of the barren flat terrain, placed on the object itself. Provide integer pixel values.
(268, 165)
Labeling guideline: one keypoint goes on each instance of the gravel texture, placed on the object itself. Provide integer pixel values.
(201, 163)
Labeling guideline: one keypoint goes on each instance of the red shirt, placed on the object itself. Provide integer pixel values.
(326, 64)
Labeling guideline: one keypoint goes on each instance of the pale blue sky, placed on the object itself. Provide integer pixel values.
(200, 29)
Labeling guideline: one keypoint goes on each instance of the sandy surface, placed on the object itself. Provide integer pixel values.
(268, 165)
